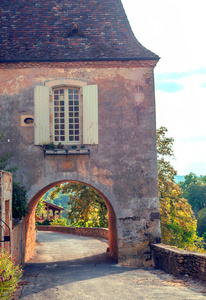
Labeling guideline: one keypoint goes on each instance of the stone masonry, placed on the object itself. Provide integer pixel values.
(94, 50)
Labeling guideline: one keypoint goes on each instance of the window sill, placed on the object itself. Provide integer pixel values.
(80, 151)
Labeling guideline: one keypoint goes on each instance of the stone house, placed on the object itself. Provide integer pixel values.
(73, 74)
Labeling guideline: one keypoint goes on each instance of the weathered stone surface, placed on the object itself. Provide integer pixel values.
(179, 262)
(122, 167)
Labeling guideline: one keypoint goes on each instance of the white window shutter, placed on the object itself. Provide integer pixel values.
(41, 115)
(90, 114)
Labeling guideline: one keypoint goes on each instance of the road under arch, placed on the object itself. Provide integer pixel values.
(29, 222)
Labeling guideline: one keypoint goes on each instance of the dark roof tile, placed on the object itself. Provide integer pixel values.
(36, 30)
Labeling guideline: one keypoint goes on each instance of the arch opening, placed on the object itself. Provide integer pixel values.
(29, 221)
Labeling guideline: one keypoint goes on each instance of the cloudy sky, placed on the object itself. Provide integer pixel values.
(175, 30)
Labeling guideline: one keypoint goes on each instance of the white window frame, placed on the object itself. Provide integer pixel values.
(66, 117)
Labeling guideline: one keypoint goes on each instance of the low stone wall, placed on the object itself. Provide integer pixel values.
(179, 262)
(93, 232)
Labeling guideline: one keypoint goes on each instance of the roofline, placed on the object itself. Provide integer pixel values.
(156, 58)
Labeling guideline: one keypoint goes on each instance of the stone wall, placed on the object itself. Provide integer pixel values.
(17, 242)
(93, 232)
(122, 166)
(5, 205)
(179, 262)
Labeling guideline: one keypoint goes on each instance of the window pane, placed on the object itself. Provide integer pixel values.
(56, 138)
(61, 103)
(62, 138)
(76, 108)
(56, 126)
(76, 126)
(62, 91)
(71, 132)
(71, 114)
(56, 108)
(61, 126)
(62, 115)
(56, 97)
(76, 138)
(70, 108)
(71, 138)
(71, 126)
(71, 102)
(56, 92)
(76, 120)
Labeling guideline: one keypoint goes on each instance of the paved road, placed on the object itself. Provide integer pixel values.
(78, 268)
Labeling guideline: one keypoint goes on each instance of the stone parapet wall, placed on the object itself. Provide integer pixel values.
(88, 231)
(179, 262)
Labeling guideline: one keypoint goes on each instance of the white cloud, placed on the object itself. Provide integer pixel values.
(175, 30)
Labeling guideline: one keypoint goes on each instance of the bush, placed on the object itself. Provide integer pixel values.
(45, 222)
(19, 201)
(59, 222)
(10, 274)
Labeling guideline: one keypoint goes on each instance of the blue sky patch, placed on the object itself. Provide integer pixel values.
(179, 75)
(203, 85)
(169, 86)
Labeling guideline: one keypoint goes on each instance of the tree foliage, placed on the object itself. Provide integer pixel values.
(178, 224)
(87, 207)
(40, 208)
(19, 201)
(194, 190)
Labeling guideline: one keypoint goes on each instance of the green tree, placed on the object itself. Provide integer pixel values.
(40, 208)
(194, 190)
(178, 224)
(201, 222)
(87, 207)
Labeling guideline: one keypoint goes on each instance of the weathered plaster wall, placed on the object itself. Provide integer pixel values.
(122, 166)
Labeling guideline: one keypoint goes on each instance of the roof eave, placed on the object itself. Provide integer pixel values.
(154, 58)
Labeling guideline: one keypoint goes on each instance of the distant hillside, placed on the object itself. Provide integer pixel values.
(179, 178)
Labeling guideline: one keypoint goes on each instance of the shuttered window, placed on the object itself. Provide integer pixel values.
(41, 115)
(74, 120)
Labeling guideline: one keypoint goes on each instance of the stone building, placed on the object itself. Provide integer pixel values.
(74, 75)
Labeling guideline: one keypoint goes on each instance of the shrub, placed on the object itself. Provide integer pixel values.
(19, 201)
(45, 222)
(10, 274)
(60, 222)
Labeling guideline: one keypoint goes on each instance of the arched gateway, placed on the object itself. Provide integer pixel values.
(29, 221)
(77, 103)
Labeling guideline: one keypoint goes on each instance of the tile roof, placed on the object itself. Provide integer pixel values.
(67, 30)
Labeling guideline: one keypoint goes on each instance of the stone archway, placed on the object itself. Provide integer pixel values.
(29, 221)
